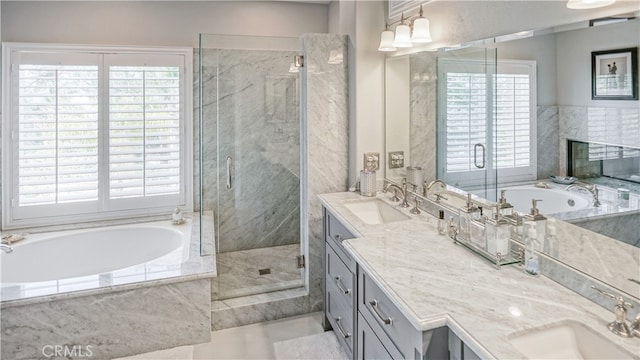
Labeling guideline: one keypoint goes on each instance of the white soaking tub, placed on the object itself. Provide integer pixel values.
(80, 253)
(554, 200)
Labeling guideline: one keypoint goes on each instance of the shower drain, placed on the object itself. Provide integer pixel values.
(264, 271)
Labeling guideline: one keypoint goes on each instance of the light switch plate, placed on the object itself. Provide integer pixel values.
(371, 161)
(396, 159)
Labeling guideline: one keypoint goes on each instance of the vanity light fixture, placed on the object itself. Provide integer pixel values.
(588, 4)
(409, 31)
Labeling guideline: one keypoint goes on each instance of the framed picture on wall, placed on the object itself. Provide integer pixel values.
(614, 74)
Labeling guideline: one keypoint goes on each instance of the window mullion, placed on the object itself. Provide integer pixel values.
(103, 136)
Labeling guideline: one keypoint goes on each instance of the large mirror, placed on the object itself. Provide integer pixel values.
(562, 132)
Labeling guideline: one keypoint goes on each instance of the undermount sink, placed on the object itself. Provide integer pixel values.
(566, 340)
(375, 211)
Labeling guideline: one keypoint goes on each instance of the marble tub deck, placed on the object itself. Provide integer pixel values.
(104, 313)
(437, 283)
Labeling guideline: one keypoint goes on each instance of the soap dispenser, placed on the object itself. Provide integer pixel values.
(531, 247)
(539, 220)
(497, 234)
(504, 207)
(465, 218)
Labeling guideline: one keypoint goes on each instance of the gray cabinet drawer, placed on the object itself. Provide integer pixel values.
(370, 346)
(337, 273)
(377, 308)
(340, 315)
(335, 233)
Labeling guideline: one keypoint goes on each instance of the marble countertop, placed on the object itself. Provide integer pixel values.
(436, 283)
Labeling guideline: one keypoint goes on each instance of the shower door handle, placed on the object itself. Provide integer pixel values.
(475, 155)
(229, 159)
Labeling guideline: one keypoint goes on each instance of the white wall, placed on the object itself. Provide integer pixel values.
(574, 60)
(542, 49)
(170, 23)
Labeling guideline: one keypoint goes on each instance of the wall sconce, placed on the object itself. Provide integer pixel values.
(404, 37)
(588, 4)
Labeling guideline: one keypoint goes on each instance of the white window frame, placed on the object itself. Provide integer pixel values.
(475, 178)
(44, 215)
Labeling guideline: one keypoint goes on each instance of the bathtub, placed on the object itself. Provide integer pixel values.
(554, 200)
(110, 252)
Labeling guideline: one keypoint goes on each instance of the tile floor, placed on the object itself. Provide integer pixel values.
(239, 271)
(245, 342)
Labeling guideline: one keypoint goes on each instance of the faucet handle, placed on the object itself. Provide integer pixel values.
(619, 325)
(619, 299)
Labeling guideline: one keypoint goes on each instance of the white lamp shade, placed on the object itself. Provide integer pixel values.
(421, 33)
(588, 4)
(386, 41)
(403, 37)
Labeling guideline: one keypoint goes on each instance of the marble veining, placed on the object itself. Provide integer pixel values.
(423, 113)
(434, 283)
(110, 325)
(547, 128)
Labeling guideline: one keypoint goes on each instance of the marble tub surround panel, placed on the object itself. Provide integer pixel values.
(325, 159)
(258, 126)
(616, 126)
(115, 324)
(137, 276)
(547, 132)
(622, 227)
(435, 282)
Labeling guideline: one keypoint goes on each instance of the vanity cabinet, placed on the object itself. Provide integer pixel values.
(339, 284)
(365, 320)
(458, 350)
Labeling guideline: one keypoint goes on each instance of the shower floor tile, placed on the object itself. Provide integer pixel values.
(255, 271)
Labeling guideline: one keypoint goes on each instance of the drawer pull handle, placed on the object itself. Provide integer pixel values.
(338, 237)
(342, 287)
(384, 319)
(344, 334)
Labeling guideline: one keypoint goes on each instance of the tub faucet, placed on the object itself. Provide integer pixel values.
(403, 191)
(6, 248)
(592, 189)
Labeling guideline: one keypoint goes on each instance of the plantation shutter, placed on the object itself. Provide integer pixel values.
(57, 137)
(144, 131)
(95, 133)
(513, 119)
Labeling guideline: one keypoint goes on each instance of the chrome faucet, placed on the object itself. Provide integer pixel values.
(592, 189)
(6, 248)
(403, 191)
(431, 184)
(619, 326)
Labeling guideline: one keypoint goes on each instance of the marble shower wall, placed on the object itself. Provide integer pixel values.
(251, 113)
(548, 143)
(324, 130)
(422, 133)
(325, 126)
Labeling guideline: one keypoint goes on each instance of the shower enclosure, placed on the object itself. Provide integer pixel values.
(467, 127)
(249, 111)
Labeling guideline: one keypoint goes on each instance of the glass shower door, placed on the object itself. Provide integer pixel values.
(253, 185)
(465, 120)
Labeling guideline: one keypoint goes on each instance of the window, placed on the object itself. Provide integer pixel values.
(95, 133)
(484, 113)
